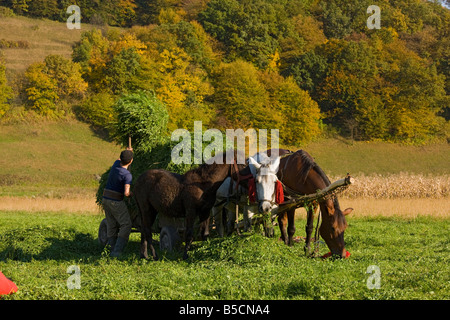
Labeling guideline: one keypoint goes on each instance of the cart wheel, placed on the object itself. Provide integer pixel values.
(103, 233)
(169, 239)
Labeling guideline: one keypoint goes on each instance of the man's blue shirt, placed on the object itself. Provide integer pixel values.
(118, 178)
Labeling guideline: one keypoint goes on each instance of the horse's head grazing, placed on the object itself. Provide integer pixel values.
(333, 227)
(265, 175)
(301, 174)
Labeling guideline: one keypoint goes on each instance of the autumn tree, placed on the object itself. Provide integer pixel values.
(6, 92)
(121, 70)
(298, 115)
(67, 75)
(240, 98)
(91, 52)
(54, 79)
(249, 30)
(41, 90)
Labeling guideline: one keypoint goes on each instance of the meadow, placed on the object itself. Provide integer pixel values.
(36, 250)
(49, 222)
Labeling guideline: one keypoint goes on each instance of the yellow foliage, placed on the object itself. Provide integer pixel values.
(128, 40)
(170, 16)
(274, 62)
(182, 88)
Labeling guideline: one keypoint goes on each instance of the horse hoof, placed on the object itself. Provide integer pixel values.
(144, 256)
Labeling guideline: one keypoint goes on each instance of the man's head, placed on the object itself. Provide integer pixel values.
(126, 157)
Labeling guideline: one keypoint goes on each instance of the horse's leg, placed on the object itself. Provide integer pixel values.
(143, 250)
(229, 214)
(143, 213)
(249, 211)
(216, 213)
(189, 236)
(282, 222)
(291, 226)
(204, 226)
(309, 228)
(247, 219)
(148, 216)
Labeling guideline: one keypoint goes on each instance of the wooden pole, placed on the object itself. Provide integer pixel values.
(298, 200)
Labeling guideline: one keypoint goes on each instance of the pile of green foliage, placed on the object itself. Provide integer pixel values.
(143, 117)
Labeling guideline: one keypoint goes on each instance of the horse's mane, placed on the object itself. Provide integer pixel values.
(202, 170)
(309, 164)
(205, 169)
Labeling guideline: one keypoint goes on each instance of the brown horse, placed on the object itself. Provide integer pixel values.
(190, 195)
(300, 173)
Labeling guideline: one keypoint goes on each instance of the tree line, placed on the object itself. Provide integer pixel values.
(303, 66)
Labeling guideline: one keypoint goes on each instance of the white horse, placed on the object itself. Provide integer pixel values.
(264, 171)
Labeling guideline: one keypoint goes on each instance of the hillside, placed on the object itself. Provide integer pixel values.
(287, 69)
(338, 156)
(54, 159)
(298, 65)
(44, 37)
(60, 159)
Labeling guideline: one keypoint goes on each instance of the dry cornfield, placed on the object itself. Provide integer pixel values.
(396, 186)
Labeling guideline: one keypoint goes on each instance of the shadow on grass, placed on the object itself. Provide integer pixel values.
(50, 243)
(26, 248)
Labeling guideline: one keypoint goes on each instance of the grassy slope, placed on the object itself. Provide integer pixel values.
(55, 158)
(44, 36)
(337, 157)
(64, 157)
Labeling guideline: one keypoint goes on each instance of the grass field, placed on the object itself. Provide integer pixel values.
(36, 249)
(49, 222)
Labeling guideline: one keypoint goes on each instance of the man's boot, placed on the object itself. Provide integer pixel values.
(119, 247)
(111, 243)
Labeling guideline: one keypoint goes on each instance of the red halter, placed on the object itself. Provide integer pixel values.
(279, 193)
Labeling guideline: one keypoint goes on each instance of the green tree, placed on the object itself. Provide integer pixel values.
(308, 70)
(67, 75)
(240, 98)
(348, 94)
(336, 23)
(118, 12)
(249, 30)
(299, 115)
(91, 52)
(417, 101)
(97, 109)
(122, 69)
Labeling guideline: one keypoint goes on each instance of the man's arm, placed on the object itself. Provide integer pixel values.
(127, 191)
